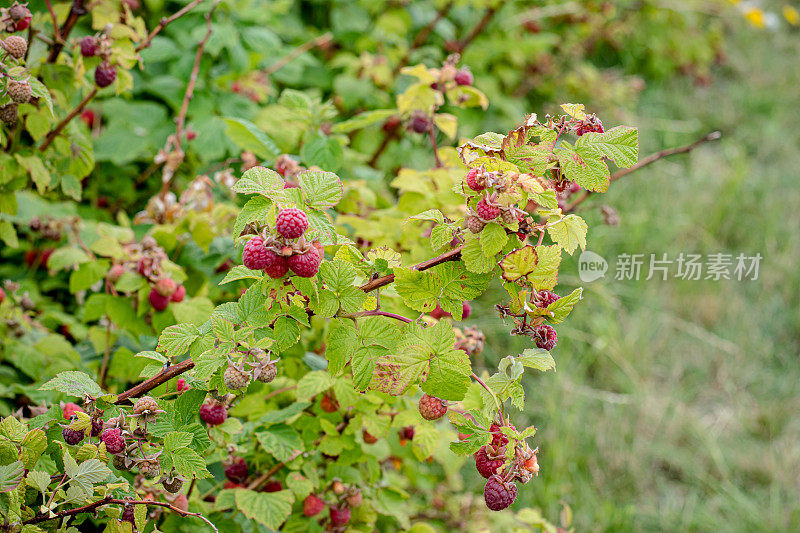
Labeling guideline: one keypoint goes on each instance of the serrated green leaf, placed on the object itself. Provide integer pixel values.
(280, 440)
(175, 340)
(537, 358)
(269, 509)
(74, 383)
(321, 190)
(493, 238)
(569, 232)
(562, 307)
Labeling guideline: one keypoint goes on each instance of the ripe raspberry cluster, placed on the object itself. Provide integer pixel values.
(288, 250)
(213, 413)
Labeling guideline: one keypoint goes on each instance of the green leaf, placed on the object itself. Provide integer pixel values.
(187, 463)
(537, 358)
(518, 263)
(620, 144)
(312, 384)
(280, 440)
(87, 275)
(562, 307)
(74, 383)
(584, 166)
(269, 509)
(66, 257)
(493, 238)
(247, 136)
(321, 190)
(474, 258)
(33, 445)
(175, 340)
(324, 152)
(260, 180)
(256, 208)
(362, 120)
(341, 344)
(545, 274)
(11, 475)
(448, 284)
(569, 232)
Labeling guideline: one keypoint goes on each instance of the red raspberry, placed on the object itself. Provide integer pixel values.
(438, 313)
(213, 413)
(179, 294)
(70, 409)
(291, 223)
(72, 436)
(273, 486)
(545, 298)
(486, 211)
(97, 426)
(355, 499)
(498, 437)
(115, 442)
(487, 467)
(255, 255)
(545, 337)
(340, 516)
(114, 273)
(471, 179)
(407, 432)
(104, 74)
(431, 408)
(499, 494)
(328, 404)
(420, 123)
(232, 485)
(237, 471)
(368, 437)
(305, 265)
(466, 310)
(276, 266)
(312, 505)
(158, 301)
(464, 77)
(181, 385)
(165, 287)
(391, 124)
(89, 46)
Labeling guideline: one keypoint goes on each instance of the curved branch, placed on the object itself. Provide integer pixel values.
(163, 24)
(159, 379)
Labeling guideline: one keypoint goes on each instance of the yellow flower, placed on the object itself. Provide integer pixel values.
(791, 15)
(755, 16)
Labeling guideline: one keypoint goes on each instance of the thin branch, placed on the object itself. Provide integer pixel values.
(163, 24)
(387, 314)
(387, 139)
(451, 255)
(76, 11)
(422, 36)
(322, 40)
(56, 31)
(61, 125)
(479, 27)
(159, 379)
(652, 158)
(432, 132)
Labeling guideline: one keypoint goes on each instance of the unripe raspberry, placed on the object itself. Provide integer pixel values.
(355, 499)
(291, 223)
(120, 463)
(340, 516)
(158, 301)
(237, 471)
(165, 287)
(486, 211)
(104, 74)
(268, 373)
(145, 406)
(545, 337)
(115, 442)
(179, 294)
(407, 433)
(431, 408)
(70, 409)
(338, 487)
(16, 46)
(9, 114)
(464, 77)
(89, 46)
(149, 468)
(213, 414)
(475, 224)
(181, 502)
(305, 265)
(235, 378)
(115, 272)
(391, 124)
(485, 466)
(173, 485)
(19, 91)
(368, 437)
(328, 404)
(472, 180)
(320, 249)
(254, 255)
(312, 505)
(420, 123)
(128, 515)
(508, 217)
(275, 266)
(466, 310)
(499, 494)
(72, 436)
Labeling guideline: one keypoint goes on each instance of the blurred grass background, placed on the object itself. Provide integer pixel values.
(675, 403)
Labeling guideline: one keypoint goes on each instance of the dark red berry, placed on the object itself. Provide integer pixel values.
(545, 298)
(237, 471)
(213, 413)
(438, 313)
(340, 516)
(391, 124)
(545, 337)
(420, 123)
(255, 255)
(127, 514)
(275, 266)
(499, 494)
(291, 223)
(368, 437)
(179, 294)
(97, 426)
(273, 486)
(498, 437)
(466, 310)
(70, 409)
(328, 404)
(305, 265)
(407, 433)
(312, 505)
(431, 408)
(104, 74)
(158, 301)
(464, 77)
(487, 467)
(472, 180)
(115, 442)
(72, 436)
(89, 46)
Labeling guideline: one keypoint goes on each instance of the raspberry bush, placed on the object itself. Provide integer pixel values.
(238, 301)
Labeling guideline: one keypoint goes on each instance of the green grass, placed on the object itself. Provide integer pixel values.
(675, 404)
